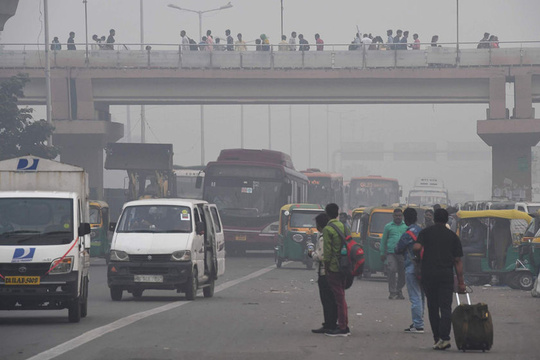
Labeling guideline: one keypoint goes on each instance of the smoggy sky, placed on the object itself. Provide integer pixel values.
(337, 22)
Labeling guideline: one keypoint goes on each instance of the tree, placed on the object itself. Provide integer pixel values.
(19, 134)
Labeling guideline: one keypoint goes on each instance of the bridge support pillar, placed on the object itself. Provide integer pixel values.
(511, 139)
(82, 127)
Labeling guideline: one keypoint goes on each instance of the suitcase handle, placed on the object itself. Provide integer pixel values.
(468, 299)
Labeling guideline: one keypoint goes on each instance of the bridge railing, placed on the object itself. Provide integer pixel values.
(334, 56)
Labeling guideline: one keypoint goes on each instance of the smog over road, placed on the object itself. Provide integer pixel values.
(444, 117)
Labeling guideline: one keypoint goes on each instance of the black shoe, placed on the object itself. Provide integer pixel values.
(338, 332)
(320, 330)
(400, 296)
(392, 297)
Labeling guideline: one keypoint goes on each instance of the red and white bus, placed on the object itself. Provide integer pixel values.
(372, 190)
(249, 187)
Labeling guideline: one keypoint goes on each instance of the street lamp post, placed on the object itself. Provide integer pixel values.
(457, 33)
(282, 18)
(47, 67)
(86, 60)
(200, 13)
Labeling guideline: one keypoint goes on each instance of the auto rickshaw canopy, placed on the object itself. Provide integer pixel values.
(503, 214)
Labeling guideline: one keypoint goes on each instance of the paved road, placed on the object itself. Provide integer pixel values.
(258, 312)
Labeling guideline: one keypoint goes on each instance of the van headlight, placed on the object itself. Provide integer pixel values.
(61, 266)
(117, 255)
(182, 255)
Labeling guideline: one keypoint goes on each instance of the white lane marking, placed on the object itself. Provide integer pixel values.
(128, 320)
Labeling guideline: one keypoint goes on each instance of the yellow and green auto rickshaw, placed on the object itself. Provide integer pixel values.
(372, 225)
(99, 225)
(297, 233)
(503, 252)
(356, 225)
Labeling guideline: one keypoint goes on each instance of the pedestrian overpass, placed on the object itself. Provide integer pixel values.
(85, 83)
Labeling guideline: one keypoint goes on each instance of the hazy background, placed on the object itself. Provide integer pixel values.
(336, 21)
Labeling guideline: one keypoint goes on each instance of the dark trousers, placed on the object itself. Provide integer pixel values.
(337, 284)
(328, 302)
(439, 294)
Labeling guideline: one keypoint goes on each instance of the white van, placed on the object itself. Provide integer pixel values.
(174, 244)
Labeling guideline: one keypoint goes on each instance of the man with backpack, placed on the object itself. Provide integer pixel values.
(337, 280)
(416, 294)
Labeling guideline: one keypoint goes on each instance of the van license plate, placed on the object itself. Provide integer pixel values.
(22, 280)
(149, 278)
(241, 237)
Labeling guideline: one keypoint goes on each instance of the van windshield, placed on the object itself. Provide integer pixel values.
(36, 221)
(156, 219)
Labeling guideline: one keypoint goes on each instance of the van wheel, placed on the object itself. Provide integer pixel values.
(137, 293)
(208, 291)
(525, 280)
(116, 293)
(192, 285)
(84, 302)
(74, 311)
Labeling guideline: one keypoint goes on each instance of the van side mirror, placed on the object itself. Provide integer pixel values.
(112, 226)
(199, 228)
(84, 229)
(198, 182)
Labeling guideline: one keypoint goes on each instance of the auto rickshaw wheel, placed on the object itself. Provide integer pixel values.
(525, 280)
(279, 261)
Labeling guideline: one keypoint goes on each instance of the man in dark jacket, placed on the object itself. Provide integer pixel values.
(442, 254)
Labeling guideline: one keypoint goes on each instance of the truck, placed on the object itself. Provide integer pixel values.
(44, 236)
(149, 168)
(428, 191)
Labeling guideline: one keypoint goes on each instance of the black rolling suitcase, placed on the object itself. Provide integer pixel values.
(473, 326)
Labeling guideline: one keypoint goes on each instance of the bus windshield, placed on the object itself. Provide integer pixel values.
(31, 221)
(427, 198)
(247, 198)
(321, 191)
(373, 193)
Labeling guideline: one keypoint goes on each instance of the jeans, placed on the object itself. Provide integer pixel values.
(328, 302)
(416, 297)
(396, 273)
(439, 292)
(337, 284)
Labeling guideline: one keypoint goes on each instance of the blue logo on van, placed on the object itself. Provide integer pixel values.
(24, 164)
(23, 255)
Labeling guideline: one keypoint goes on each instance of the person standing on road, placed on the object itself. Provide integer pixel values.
(292, 41)
(110, 40)
(328, 300)
(428, 219)
(394, 262)
(336, 280)
(414, 288)
(442, 254)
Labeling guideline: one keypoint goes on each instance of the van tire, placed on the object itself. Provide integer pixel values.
(84, 301)
(208, 291)
(74, 311)
(116, 293)
(192, 285)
